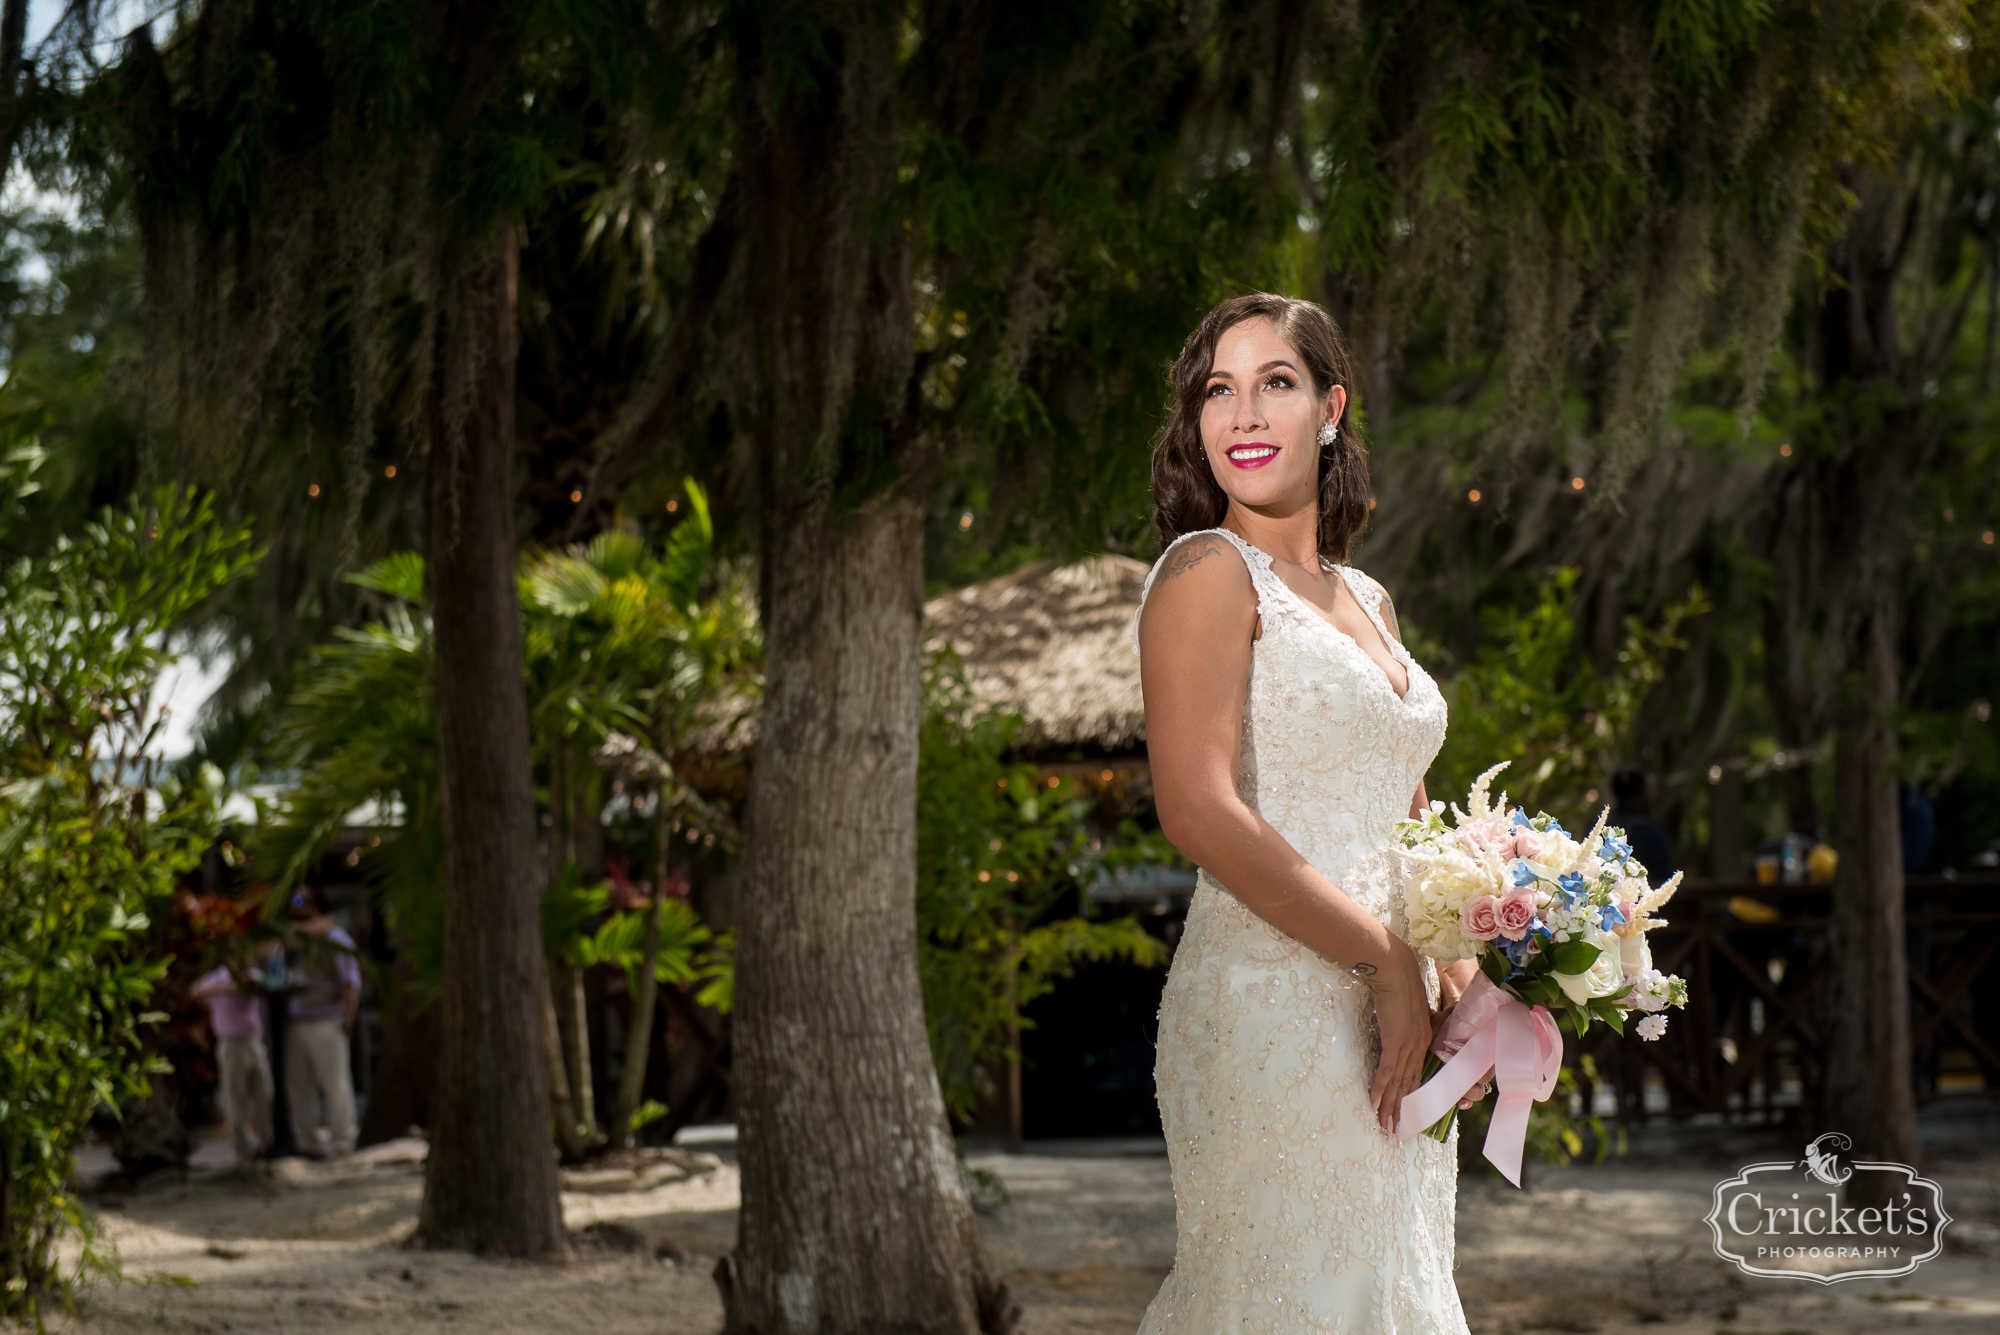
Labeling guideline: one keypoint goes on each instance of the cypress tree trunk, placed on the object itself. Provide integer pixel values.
(855, 1213)
(490, 1184)
(1868, 1079)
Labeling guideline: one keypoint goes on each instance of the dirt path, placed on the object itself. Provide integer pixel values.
(1086, 1241)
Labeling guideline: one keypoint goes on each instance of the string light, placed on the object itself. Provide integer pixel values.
(1715, 774)
(1371, 502)
(1473, 495)
(1013, 876)
(985, 876)
(673, 506)
(1576, 484)
(575, 496)
(1053, 781)
(1785, 450)
(312, 488)
(1987, 537)
(993, 847)
(390, 471)
(1104, 775)
(965, 521)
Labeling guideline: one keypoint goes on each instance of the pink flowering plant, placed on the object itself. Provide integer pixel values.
(1553, 920)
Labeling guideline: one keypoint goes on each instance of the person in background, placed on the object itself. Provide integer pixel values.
(1632, 808)
(321, 1017)
(236, 1013)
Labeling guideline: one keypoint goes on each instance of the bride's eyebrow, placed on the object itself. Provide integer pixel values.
(1267, 366)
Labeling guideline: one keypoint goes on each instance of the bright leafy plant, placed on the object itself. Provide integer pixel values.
(998, 849)
(92, 843)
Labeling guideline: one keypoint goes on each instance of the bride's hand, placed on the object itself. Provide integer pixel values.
(1403, 1015)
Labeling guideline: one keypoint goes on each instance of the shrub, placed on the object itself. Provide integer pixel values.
(90, 844)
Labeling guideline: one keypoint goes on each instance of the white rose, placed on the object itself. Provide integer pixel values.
(1634, 954)
(1605, 975)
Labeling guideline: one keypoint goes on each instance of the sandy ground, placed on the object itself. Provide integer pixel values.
(1085, 1239)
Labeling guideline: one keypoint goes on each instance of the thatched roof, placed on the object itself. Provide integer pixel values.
(1053, 642)
(1050, 642)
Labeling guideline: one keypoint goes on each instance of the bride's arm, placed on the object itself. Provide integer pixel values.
(1195, 641)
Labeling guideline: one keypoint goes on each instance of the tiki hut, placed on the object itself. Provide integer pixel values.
(1050, 642)
(1054, 643)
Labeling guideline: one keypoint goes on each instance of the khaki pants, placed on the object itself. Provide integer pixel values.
(315, 1068)
(246, 1093)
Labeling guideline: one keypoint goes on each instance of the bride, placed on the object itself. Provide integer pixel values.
(1289, 729)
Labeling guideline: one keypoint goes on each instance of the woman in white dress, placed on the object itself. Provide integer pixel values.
(1289, 729)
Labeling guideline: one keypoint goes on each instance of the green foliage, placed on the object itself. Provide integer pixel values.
(998, 848)
(1532, 697)
(91, 844)
(577, 928)
(615, 638)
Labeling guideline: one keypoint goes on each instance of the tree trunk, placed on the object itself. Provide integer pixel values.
(562, 1108)
(639, 1033)
(573, 1029)
(1868, 1092)
(490, 1184)
(1788, 686)
(855, 1216)
(1725, 825)
(645, 993)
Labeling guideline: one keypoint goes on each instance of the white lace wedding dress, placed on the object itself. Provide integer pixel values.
(1296, 1212)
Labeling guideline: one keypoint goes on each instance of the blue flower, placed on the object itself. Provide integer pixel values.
(1517, 818)
(1521, 873)
(1574, 891)
(1615, 848)
(1520, 952)
(1610, 916)
(1555, 827)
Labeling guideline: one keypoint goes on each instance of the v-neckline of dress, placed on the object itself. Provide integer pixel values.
(1389, 642)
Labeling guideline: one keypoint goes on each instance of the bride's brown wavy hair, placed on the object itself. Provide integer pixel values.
(1186, 496)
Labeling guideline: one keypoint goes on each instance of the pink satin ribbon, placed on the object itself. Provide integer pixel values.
(1523, 1048)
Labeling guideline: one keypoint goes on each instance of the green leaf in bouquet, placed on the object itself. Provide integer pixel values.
(1580, 1018)
(1494, 965)
(1573, 956)
(1602, 1008)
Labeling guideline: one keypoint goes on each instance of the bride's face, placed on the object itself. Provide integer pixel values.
(1260, 419)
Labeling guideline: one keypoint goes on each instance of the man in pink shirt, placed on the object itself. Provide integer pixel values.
(236, 1012)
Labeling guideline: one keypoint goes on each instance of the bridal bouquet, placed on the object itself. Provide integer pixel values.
(1556, 923)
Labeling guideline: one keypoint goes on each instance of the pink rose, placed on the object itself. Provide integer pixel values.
(1516, 913)
(1480, 918)
(1529, 844)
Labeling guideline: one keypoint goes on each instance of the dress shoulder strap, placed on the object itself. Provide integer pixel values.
(1372, 597)
(1258, 563)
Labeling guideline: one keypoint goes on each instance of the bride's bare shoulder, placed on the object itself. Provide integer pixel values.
(1201, 585)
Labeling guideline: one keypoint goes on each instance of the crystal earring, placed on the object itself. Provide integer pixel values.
(1329, 434)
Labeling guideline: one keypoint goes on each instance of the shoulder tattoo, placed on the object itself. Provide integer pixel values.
(1187, 556)
(1389, 614)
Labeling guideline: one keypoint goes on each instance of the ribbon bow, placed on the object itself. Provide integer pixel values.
(1490, 1030)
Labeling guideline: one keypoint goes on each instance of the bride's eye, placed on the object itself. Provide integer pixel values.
(1281, 382)
(1217, 388)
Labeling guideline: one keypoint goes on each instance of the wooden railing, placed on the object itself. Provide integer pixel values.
(1748, 1045)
